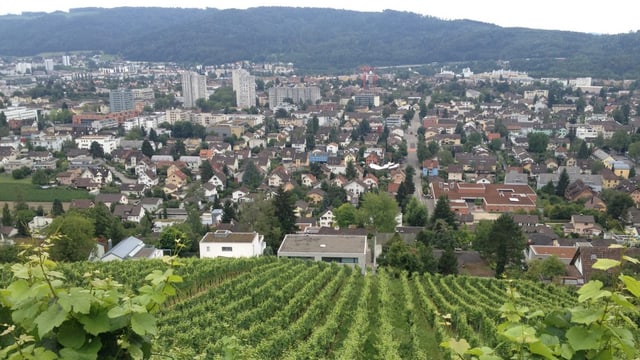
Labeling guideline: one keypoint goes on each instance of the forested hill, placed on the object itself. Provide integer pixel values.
(315, 39)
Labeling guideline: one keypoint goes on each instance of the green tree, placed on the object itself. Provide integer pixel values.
(206, 171)
(583, 150)
(6, 215)
(147, 148)
(228, 212)
(96, 150)
(538, 142)
(546, 269)
(549, 189)
(619, 141)
(252, 177)
(416, 213)
(448, 262)
(445, 158)
(401, 196)
(410, 172)
(73, 237)
(21, 219)
(379, 210)
(443, 211)
(40, 177)
(634, 151)
(504, 245)
(258, 216)
(563, 183)
(283, 202)
(397, 254)
(617, 203)
(56, 208)
(345, 215)
(172, 237)
(105, 224)
(350, 171)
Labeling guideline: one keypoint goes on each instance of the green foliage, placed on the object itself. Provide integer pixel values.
(222, 98)
(73, 237)
(56, 208)
(617, 202)
(283, 202)
(442, 211)
(252, 177)
(40, 177)
(546, 269)
(563, 183)
(96, 150)
(21, 173)
(448, 262)
(379, 210)
(346, 215)
(600, 326)
(538, 142)
(502, 244)
(416, 213)
(147, 148)
(206, 171)
(174, 239)
(411, 258)
(44, 316)
(6, 215)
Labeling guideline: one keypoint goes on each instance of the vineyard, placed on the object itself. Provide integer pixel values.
(265, 308)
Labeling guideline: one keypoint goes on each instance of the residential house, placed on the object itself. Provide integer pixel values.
(133, 213)
(609, 179)
(148, 179)
(578, 190)
(224, 243)
(240, 195)
(586, 256)
(316, 196)
(210, 191)
(151, 204)
(81, 204)
(455, 173)
(219, 180)
(135, 190)
(355, 188)
(430, 167)
(342, 249)
(326, 219)
(308, 180)
(541, 252)
(109, 199)
(371, 181)
(131, 248)
(176, 177)
(279, 177)
(583, 225)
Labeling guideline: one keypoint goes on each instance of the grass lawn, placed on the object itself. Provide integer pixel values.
(12, 190)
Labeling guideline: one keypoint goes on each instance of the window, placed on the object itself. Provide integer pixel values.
(227, 248)
(208, 249)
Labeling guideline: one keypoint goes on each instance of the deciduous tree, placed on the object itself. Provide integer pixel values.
(379, 210)
(75, 240)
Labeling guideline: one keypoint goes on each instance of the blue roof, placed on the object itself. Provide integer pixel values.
(125, 247)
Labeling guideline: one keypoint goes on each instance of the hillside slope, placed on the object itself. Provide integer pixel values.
(314, 39)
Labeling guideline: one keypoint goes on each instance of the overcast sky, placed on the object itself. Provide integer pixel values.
(607, 17)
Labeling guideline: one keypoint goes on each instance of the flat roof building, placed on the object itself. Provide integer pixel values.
(341, 249)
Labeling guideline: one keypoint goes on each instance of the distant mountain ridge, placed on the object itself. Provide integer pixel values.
(315, 39)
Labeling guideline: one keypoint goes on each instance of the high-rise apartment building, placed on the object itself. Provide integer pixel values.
(121, 100)
(66, 60)
(194, 87)
(296, 94)
(244, 85)
(48, 65)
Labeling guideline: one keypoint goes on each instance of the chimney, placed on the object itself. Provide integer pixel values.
(109, 244)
